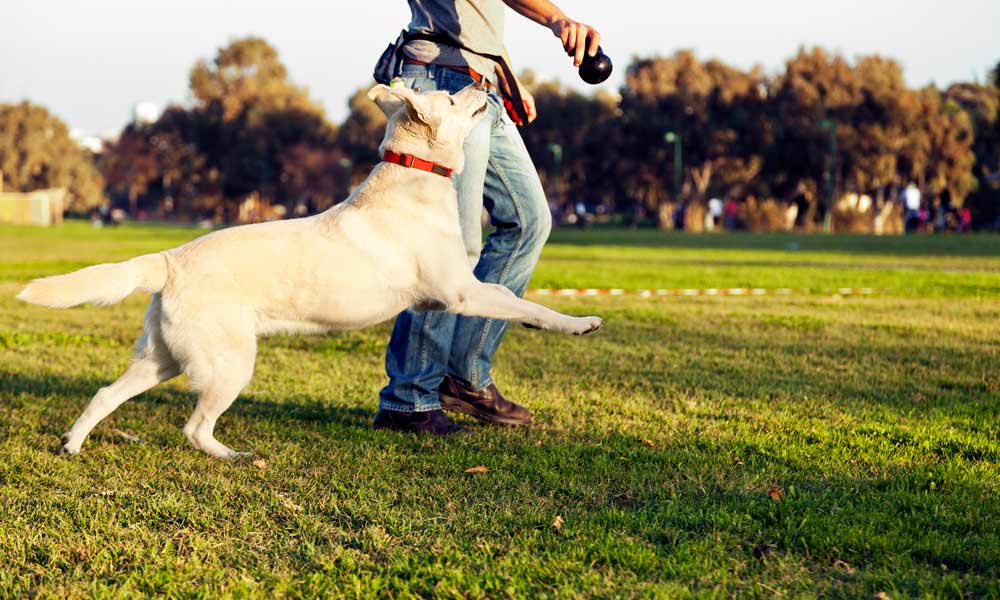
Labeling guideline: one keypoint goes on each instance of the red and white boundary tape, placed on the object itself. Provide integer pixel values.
(695, 292)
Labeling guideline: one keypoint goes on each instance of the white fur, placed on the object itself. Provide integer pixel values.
(394, 243)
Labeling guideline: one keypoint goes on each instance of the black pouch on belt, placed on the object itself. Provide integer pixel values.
(391, 64)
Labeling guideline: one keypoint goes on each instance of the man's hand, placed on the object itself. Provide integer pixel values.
(529, 100)
(577, 39)
(505, 92)
(529, 105)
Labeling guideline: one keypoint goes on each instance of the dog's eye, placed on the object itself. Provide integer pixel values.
(452, 100)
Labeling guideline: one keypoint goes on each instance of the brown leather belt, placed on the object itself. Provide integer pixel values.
(474, 74)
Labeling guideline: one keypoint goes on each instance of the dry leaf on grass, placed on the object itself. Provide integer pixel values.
(882, 596)
(843, 566)
(775, 493)
(558, 523)
(127, 436)
(289, 504)
(479, 469)
(649, 443)
(260, 463)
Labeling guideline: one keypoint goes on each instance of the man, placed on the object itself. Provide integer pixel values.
(436, 359)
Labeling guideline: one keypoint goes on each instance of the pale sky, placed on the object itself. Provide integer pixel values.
(90, 61)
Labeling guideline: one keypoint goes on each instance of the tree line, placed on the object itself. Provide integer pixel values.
(821, 128)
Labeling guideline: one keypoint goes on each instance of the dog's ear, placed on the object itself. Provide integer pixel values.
(391, 99)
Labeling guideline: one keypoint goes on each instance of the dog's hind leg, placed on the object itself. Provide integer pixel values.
(497, 302)
(219, 383)
(151, 365)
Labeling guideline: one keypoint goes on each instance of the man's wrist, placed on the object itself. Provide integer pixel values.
(554, 20)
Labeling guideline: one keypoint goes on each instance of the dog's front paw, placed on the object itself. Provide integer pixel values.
(588, 325)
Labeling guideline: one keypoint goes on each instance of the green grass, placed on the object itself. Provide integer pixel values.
(658, 442)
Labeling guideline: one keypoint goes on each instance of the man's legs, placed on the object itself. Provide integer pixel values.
(417, 357)
(518, 210)
(500, 175)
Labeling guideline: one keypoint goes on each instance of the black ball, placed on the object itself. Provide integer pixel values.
(596, 69)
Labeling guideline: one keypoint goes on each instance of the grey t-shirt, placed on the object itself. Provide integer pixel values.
(476, 24)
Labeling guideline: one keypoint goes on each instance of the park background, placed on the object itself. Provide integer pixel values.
(806, 441)
(814, 139)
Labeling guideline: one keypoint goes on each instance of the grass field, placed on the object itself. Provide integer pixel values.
(772, 446)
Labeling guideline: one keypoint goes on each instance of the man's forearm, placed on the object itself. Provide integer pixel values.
(577, 38)
(542, 12)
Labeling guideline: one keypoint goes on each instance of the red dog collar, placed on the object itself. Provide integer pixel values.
(412, 162)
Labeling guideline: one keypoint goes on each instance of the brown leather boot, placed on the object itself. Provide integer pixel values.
(486, 405)
(433, 422)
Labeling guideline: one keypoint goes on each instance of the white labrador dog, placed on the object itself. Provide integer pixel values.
(393, 244)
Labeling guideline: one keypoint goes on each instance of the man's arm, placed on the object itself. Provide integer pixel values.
(574, 35)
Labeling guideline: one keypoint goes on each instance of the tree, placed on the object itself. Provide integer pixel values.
(718, 112)
(247, 79)
(362, 131)
(130, 164)
(189, 188)
(982, 103)
(249, 115)
(814, 90)
(37, 152)
(562, 141)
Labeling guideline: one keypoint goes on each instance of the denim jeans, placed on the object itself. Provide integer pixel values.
(498, 175)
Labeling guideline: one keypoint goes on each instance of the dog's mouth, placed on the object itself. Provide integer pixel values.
(480, 110)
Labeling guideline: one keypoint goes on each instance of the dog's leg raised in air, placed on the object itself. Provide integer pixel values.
(497, 302)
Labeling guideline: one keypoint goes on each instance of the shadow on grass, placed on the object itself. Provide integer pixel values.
(19, 388)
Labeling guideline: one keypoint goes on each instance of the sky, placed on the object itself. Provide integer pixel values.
(90, 62)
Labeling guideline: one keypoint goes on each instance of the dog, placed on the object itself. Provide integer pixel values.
(394, 243)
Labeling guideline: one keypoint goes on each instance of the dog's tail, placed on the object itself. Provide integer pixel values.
(100, 284)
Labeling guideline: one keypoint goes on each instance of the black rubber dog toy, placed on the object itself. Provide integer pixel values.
(596, 69)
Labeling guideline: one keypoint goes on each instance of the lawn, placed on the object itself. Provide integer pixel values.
(774, 446)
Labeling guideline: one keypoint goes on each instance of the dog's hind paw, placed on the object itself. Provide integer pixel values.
(65, 449)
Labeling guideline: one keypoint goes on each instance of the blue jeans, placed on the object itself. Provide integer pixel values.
(498, 175)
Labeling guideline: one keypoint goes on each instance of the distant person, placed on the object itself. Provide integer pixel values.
(965, 219)
(912, 203)
(680, 213)
(715, 209)
(580, 210)
(730, 212)
(436, 359)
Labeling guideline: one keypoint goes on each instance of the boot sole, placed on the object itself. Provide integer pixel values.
(460, 406)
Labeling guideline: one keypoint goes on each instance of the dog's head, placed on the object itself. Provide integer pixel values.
(432, 125)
